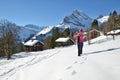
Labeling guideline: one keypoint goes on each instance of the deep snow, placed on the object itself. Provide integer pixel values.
(100, 61)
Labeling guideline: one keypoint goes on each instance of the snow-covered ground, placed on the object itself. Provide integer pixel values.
(100, 61)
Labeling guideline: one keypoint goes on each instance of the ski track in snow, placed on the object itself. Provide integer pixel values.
(35, 59)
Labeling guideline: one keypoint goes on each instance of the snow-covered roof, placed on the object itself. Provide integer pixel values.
(94, 30)
(62, 39)
(114, 31)
(32, 42)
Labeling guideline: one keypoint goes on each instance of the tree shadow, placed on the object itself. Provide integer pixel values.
(96, 52)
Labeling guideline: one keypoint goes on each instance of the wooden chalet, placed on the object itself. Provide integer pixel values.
(33, 45)
(64, 41)
(94, 33)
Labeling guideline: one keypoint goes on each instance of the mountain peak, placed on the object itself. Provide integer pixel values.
(76, 12)
(76, 20)
(80, 14)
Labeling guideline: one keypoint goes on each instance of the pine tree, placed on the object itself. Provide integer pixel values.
(94, 24)
(113, 21)
(114, 13)
(66, 32)
(55, 35)
(52, 42)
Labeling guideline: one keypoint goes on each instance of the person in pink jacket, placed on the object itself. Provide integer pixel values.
(79, 36)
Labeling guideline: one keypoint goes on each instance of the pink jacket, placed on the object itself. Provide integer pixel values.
(81, 37)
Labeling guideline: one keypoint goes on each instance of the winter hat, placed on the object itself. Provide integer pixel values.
(81, 30)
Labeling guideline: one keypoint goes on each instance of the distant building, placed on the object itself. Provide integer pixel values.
(64, 41)
(94, 33)
(33, 45)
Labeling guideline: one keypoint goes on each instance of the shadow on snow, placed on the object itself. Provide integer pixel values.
(107, 50)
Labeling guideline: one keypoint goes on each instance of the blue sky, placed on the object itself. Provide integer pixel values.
(51, 12)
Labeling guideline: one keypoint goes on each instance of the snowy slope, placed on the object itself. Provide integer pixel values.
(100, 61)
(45, 30)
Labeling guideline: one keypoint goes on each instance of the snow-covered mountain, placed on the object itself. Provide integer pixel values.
(77, 19)
(103, 19)
(33, 27)
(45, 32)
(28, 31)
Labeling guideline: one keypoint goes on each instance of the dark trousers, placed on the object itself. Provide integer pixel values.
(80, 46)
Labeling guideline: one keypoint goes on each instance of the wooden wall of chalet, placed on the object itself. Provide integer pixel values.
(37, 47)
(69, 42)
(93, 34)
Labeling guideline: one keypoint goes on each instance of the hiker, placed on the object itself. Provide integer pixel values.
(79, 36)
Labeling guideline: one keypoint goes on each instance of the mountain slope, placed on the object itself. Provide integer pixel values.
(103, 19)
(96, 63)
(28, 31)
(44, 33)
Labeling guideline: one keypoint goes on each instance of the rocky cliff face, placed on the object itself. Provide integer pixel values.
(76, 20)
